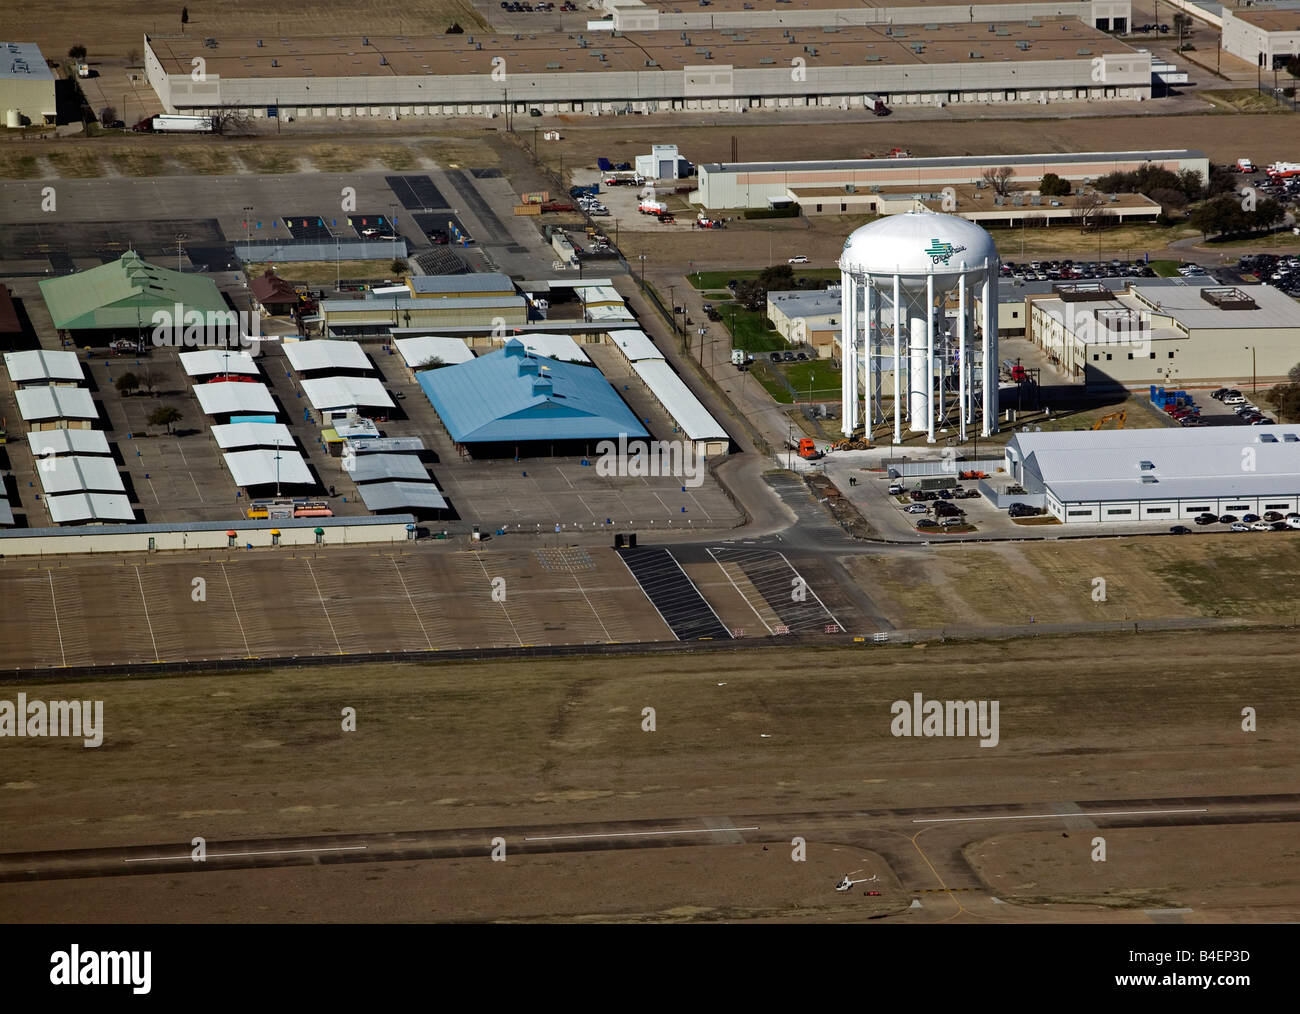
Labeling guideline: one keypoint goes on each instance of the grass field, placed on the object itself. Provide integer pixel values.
(717, 280)
(1125, 241)
(138, 162)
(336, 158)
(749, 330)
(17, 165)
(1227, 576)
(259, 158)
(204, 160)
(76, 163)
(1165, 269)
(754, 732)
(1241, 100)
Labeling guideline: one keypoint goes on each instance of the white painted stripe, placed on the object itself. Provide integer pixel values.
(312, 570)
(145, 602)
(57, 626)
(227, 855)
(1037, 816)
(641, 834)
(722, 567)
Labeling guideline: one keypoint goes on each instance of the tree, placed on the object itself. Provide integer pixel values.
(164, 415)
(133, 57)
(185, 15)
(455, 29)
(1087, 207)
(126, 384)
(107, 115)
(1293, 374)
(752, 295)
(1286, 399)
(1054, 186)
(999, 179)
(77, 52)
(399, 266)
(231, 120)
(1293, 66)
(147, 379)
(432, 363)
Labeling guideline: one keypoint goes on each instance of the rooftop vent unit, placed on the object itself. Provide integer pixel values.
(1083, 52)
(259, 43)
(275, 62)
(365, 40)
(383, 61)
(766, 60)
(1035, 199)
(999, 200)
(972, 55)
(210, 43)
(1267, 438)
(1147, 466)
(872, 58)
(918, 48)
(829, 29)
(1003, 32)
(1033, 24)
(1148, 479)
(931, 28)
(553, 66)
(652, 63)
(993, 28)
(1022, 45)
(1290, 438)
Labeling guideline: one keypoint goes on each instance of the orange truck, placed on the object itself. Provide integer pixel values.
(808, 449)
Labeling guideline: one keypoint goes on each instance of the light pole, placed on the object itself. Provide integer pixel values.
(248, 213)
(181, 237)
(392, 224)
(672, 298)
(642, 259)
(1254, 386)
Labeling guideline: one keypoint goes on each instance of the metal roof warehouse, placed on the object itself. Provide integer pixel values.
(1112, 476)
(508, 397)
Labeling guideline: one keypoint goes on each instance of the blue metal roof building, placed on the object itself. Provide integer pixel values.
(510, 397)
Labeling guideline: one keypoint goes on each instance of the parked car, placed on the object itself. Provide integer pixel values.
(798, 259)
(1206, 519)
(927, 523)
(1237, 526)
(896, 490)
(1273, 516)
(1227, 519)
(1278, 526)
(917, 508)
(1180, 530)
(1218, 393)
(1232, 398)
(952, 522)
(1261, 526)
(1250, 519)
(1293, 522)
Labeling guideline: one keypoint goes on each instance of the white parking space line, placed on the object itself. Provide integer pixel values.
(427, 639)
(57, 626)
(248, 652)
(739, 592)
(810, 588)
(145, 602)
(321, 597)
(479, 560)
(594, 611)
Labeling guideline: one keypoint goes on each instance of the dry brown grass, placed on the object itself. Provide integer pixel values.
(267, 158)
(17, 164)
(76, 163)
(203, 160)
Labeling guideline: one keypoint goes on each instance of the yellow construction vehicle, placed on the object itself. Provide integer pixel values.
(851, 445)
(1121, 416)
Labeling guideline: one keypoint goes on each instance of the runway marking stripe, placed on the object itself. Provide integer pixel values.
(227, 855)
(640, 834)
(1037, 816)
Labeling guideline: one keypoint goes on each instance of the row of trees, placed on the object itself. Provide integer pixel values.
(1231, 215)
(164, 415)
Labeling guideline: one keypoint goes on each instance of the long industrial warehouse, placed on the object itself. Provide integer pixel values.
(721, 69)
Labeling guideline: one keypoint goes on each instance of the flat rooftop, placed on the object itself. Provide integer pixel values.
(1105, 158)
(454, 55)
(687, 7)
(1271, 21)
(22, 61)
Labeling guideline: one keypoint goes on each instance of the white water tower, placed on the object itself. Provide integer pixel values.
(900, 276)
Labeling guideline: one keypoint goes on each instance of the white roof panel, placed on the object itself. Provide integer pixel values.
(245, 434)
(636, 345)
(420, 349)
(41, 403)
(691, 417)
(601, 312)
(326, 354)
(36, 365)
(44, 443)
(386, 496)
(376, 467)
(89, 507)
(334, 393)
(231, 397)
(75, 473)
(206, 362)
(260, 468)
(554, 346)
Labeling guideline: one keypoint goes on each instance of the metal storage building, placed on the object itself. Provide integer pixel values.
(310, 356)
(71, 508)
(685, 410)
(39, 366)
(1116, 476)
(52, 408)
(510, 398)
(26, 83)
